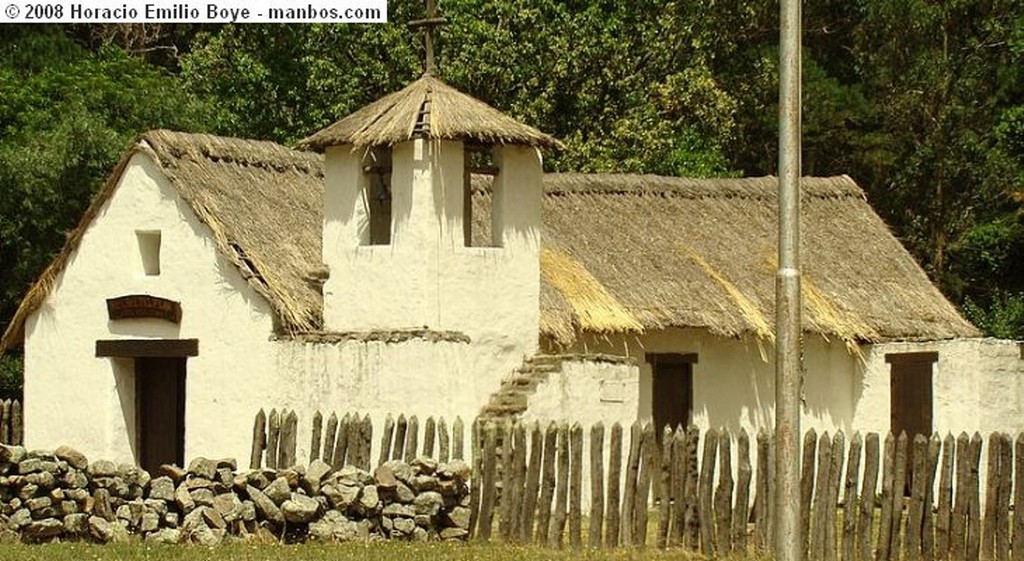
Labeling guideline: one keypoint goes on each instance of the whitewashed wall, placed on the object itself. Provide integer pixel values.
(977, 385)
(73, 397)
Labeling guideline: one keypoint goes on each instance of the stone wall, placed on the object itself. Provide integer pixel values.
(46, 496)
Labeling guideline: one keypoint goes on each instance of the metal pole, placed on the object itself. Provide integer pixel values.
(788, 541)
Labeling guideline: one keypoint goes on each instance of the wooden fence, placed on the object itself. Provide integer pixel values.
(866, 500)
(11, 428)
(349, 440)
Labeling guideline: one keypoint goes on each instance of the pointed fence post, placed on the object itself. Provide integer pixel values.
(429, 431)
(723, 495)
(329, 437)
(411, 439)
(596, 485)
(273, 434)
(314, 443)
(629, 489)
(490, 481)
(443, 440)
(835, 478)
(851, 505)
(665, 486)
(705, 494)
(457, 430)
(810, 446)
(259, 440)
(398, 449)
(650, 464)
(576, 486)
(528, 514)
(547, 487)
(742, 509)
(867, 501)
(385, 439)
(613, 505)
(558, 517)
(340, 456)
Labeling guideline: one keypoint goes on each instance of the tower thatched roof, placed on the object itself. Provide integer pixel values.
(621, 253)
(430, 108)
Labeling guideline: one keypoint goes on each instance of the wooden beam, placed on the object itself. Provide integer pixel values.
(902, 358)
(136, 348)
(671, 358)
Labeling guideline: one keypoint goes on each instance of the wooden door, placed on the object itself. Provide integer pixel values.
(911, 400)
(672, 390)
(160, 390)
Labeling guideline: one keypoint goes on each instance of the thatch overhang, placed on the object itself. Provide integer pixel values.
(621, 253)
(427, 108)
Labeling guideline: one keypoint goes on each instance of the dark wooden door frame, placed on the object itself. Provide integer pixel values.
(142, 380)
(686, 361)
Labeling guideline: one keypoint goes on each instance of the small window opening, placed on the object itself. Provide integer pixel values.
(149, 251)
(377, 168)
(480, 161)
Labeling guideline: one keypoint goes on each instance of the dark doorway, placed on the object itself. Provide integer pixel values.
(671, 389)
(910, 392)
(160, 391)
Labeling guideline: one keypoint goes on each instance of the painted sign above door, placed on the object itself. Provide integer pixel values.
(136, 306)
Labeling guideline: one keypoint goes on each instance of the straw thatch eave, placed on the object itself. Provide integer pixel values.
(426, 108)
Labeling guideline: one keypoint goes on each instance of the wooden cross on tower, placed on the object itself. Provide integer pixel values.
(427, 25)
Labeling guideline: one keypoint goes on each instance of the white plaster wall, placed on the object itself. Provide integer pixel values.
(413, 377)
(734, 378)
(977, 385)
(426, 277)
(73, 397)
(587, 391)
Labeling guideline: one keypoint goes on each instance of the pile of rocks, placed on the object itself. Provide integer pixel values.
(60, 495)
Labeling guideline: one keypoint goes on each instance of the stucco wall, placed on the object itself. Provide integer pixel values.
(977, 385)
(71, 396)
(426, 277)
(734, 379)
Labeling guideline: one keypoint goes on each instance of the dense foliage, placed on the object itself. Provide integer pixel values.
(921, 102)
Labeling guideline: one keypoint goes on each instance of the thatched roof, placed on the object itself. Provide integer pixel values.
(621, 253)
(430, 108)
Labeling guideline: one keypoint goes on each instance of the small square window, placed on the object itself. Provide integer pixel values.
(149, 251)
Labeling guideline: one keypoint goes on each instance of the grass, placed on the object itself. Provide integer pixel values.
(376, 551)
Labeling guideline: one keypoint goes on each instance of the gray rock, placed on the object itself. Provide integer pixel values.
(100, 529)
(205, 536)
(172, 519)
(333, 527)
(195, 482)
(387, 524)
(248, 513)
(203, 467)
(202, 496)
(369, 499)
(68, 507)
(43, 479)
(278, 491)
(38, 530)
(76, 523)
(403, 471)
(75, 479)
(458, 470)
(101, 504)
(102, 468)
(429, 503)
(228, 506)
(28, 491)
(162, 488)
(264, 505)
(213, 519)
(77, 494)
(422, 483)
(454, 534)
(38, 503)
(404, 525)
(174, 472)
(398, 509)
(385, 477)
(314, 475)
(422, 520)
(403, 493)
(11, 454)
(20, 518)
(157, 506)
(459, 517)
(167, 535)
(424, 465)
(183, 498)
(419, 534)
(300, 509)
(150, 522)
(30, 465)
(341, 496)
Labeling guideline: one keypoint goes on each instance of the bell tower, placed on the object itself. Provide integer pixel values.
(432, 214)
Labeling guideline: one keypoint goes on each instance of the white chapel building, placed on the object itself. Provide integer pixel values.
(415, 258)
